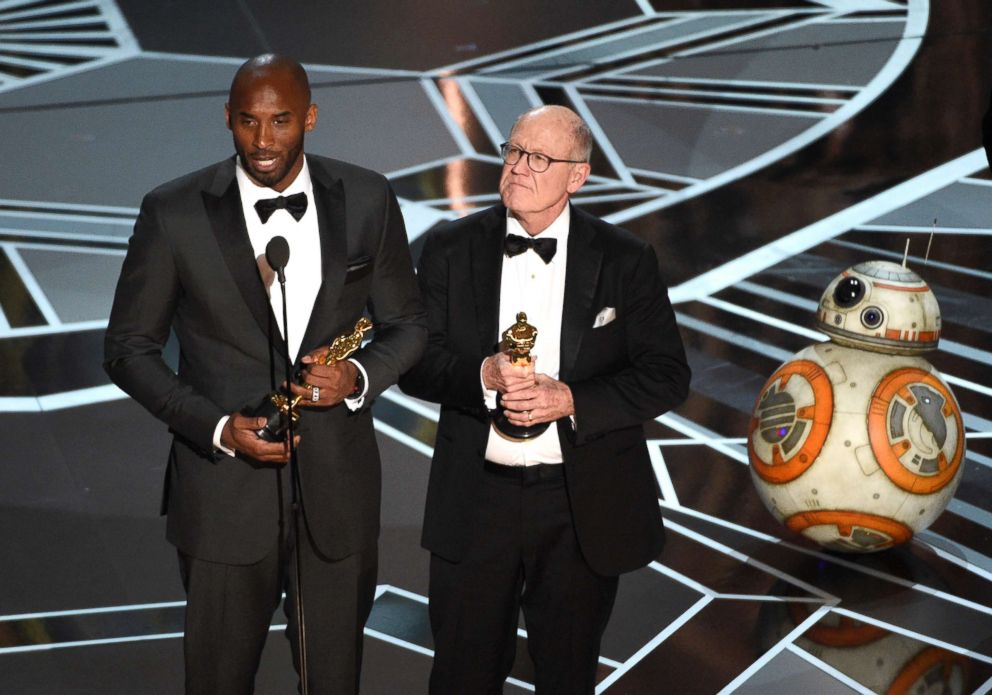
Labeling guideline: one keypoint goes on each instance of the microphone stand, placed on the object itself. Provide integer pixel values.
(296, 498)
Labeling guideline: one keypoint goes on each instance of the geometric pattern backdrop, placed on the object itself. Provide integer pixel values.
(761, 146)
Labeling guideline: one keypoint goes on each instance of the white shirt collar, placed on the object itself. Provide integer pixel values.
(556, 230)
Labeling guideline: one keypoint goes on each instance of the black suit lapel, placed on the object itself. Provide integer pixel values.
(581, 278)
(487, 268)
(328, 193)
(222, 201)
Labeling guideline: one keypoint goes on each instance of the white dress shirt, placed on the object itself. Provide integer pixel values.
(537, 288)
(304, 274)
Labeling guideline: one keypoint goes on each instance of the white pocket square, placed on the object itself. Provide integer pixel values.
(606, 314)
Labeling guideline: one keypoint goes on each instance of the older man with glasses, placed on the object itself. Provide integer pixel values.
(541, 490)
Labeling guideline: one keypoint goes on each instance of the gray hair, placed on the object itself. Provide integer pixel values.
(579, 130)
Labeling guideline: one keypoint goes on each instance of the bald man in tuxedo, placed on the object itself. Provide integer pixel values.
(191, 268)
(545, 523)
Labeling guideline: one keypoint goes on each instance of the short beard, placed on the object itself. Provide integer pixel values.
(272, 178)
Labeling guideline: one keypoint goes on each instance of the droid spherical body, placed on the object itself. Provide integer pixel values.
(858, 443)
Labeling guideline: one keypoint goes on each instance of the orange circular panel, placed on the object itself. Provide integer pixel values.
(890, 448)
(847, 522)
(816, 415)
(930, 659)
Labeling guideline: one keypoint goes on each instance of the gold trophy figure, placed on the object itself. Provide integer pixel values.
(519, 340)
(277, 408)
(345, 345)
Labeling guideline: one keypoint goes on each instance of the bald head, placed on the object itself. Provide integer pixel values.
(268, 66)
(562, 119)
(561, 142)
(269, 111)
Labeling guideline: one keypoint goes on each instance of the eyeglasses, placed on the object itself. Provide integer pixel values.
(537, 162)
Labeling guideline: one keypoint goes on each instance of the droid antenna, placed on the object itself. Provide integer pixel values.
(905, 254)
(933, 230)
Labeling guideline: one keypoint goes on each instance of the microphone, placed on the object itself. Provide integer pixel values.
(277, 256)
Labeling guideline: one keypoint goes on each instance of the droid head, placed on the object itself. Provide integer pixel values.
(880, 306)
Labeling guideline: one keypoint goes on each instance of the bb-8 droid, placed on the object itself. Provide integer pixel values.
(858, 443)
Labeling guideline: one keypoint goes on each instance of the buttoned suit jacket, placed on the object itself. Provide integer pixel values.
(190, 268)
(621, 374)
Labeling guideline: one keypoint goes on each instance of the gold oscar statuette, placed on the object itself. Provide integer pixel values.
(277, 408)
(518, 340)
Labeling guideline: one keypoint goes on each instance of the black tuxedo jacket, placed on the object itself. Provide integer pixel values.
(621, 374)
(190, 268)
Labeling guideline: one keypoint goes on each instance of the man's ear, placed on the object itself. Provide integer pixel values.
(577, 177)
(311, 119)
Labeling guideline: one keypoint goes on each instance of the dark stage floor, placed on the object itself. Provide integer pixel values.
(762, 146)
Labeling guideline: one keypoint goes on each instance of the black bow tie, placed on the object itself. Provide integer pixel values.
(295, 205)
(545, 248)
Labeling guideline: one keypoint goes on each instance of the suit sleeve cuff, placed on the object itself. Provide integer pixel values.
(355, 402)
(218, 430)
(488, 395)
